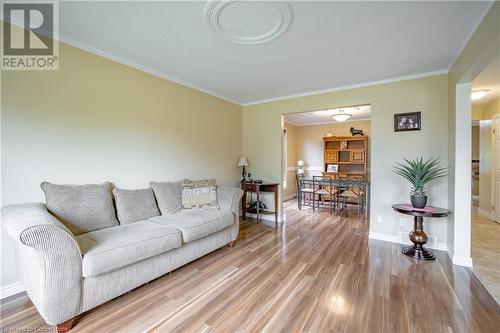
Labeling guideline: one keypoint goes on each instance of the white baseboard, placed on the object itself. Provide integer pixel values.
(400, 240)
(462, 261)
(11, 289)
(266, 217)
(483, 213)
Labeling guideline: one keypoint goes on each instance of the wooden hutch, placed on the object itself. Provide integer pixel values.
(349, 154)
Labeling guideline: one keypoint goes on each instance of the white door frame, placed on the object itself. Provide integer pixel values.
(493, 165)
(462, 199)
(463, 165)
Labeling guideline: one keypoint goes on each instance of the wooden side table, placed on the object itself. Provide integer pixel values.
(257, 188)
(418, 235)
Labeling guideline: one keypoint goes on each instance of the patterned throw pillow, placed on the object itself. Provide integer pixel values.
(199, 194)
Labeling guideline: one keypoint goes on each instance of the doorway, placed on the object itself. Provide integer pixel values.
(485, 161)
(332, 143)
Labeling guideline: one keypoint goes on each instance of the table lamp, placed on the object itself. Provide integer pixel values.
(300, 170)
(243, 162)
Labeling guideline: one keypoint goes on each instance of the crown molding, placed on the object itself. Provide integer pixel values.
(348, 87)
(62, 38)
(141, 68)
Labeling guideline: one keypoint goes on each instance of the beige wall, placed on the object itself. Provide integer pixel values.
(475, 142)
(95, 120)
(488, 112)
(492, 109)
(291, 184)
(485, 139)
(428, 95)
(309, 142)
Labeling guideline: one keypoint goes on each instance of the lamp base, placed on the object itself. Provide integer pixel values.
(244, 175)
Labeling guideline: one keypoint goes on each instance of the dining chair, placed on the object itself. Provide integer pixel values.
(323, 188)
(303, 191)
(354, 194)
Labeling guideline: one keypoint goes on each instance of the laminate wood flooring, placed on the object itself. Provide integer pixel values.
(316, 273)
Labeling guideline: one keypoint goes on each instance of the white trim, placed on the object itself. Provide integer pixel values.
(483, 213)
(11, 289)
(353, 86)
(469, 36)
(141, 68)
(99, 52)
(440, 246)
(311, 168)
(462, 261)
(323, 123)
(266, 217)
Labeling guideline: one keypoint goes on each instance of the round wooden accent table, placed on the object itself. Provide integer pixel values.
(417, 235)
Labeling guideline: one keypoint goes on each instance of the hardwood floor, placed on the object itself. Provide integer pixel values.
(318, 273)
(486, 252)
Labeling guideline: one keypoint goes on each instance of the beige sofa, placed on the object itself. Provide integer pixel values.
(66, 273)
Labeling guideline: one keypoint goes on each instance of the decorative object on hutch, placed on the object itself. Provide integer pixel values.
(243, 162)
(349, 153)
(356, 132)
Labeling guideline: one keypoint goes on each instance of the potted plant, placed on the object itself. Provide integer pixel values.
(419, 173)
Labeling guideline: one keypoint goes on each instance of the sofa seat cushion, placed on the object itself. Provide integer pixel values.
(108, 249)
(196, 224)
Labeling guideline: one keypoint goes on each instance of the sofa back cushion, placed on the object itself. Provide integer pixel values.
(135, 205)
(81, 208)
(168, 196)
(199, 194)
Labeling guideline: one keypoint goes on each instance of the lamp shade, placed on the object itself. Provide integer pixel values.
(243, 161)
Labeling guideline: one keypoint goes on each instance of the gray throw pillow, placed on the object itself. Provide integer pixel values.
(81, 208)
(168, 196)
(135, 205)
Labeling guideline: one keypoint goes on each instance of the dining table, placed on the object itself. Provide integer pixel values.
(340, 184)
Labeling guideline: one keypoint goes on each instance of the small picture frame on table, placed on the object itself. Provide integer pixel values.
(332, 168)
(410, 121)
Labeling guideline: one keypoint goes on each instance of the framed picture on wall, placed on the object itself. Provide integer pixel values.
(332, 168)
(410, 121)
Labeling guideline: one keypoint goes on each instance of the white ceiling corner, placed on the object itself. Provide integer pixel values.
(328, 45)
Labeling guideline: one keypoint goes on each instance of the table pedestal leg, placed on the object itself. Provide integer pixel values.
(419, 238)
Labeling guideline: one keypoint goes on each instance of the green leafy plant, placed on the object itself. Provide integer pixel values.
(419, 173)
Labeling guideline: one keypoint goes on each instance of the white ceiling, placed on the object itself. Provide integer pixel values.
(326, 45)
(488, 79)
(361, 112)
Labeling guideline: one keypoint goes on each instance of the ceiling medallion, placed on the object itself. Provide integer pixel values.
(248, 22)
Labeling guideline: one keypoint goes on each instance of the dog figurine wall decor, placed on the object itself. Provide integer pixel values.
(356, 132)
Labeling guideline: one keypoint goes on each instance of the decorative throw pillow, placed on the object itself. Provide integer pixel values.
(135, 205)
(199, 194)
(81, 208)
(168, 196)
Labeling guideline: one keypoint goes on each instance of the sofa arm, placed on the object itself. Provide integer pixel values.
(229, 199)
(49, 260)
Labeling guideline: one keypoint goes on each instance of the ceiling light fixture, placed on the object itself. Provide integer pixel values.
(341, 116)
(478, 94)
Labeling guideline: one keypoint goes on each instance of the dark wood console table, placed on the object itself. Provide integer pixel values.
(417, 235)
(257, 188)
